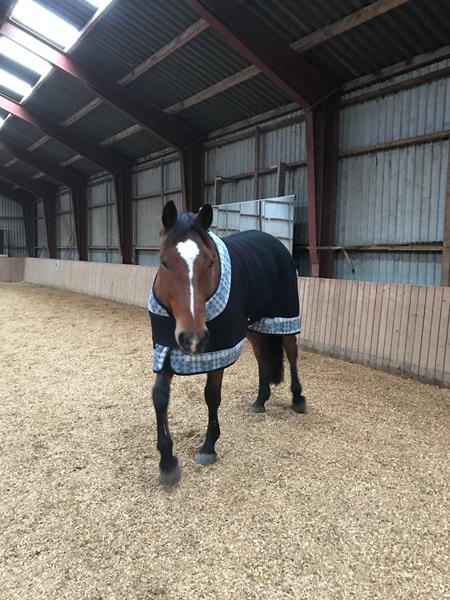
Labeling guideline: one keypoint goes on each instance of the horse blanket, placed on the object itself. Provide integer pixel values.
(257, 290)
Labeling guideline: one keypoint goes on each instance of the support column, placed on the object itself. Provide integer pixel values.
(79, 203)
(123, 186)
(49, 203)
(445, 268)
(30, 226)
(192, 176)
(322, 136)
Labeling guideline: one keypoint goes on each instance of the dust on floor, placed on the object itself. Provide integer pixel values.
(349, 501)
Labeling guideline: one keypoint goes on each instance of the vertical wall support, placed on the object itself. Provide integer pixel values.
(192, 176)
(79, 204)
(123, 186)
(322, 137)
(256, 164)
(49, 203)
(30, 226)
(218, 190)
(281, 179)
(445, 268)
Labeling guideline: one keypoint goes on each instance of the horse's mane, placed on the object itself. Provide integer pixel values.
(186, 224)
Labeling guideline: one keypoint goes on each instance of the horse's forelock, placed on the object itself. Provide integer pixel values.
(186, 225)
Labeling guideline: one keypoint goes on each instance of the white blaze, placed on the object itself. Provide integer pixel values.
(189, 251)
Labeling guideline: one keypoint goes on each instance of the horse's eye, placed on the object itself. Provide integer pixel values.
(211, 264)
(164, 264)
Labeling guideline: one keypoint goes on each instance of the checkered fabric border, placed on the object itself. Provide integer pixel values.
(184, 364)
(277, 325)
(218, 301)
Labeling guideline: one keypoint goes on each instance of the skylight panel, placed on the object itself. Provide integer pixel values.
(14, 83)
(99, 3)
(45, 23)
(24, 57)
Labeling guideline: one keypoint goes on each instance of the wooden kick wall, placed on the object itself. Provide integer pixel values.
(400, 328)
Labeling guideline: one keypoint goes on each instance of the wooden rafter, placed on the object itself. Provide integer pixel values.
(169, 129)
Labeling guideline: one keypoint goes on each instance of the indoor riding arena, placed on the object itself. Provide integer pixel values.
(325, 125)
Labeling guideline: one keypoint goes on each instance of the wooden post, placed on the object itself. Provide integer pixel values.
(281, 179)
(192, 176)
(445, 268)
(322, 123)
(256, 164)
(218, 190)
(123, 185)
(49, 203)
(79, 204)
(30, 226)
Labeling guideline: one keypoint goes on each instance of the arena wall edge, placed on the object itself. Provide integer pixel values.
(395, 327)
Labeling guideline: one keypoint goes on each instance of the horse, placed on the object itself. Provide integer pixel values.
(208, 296)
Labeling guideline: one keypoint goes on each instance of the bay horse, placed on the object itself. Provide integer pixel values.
(210, 294)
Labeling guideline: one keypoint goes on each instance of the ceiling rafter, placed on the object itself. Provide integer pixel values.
(103, 157)
(38, 188)
(167, 128)
(61, 174)
(296, 76)
(20, 196)
(301, 45)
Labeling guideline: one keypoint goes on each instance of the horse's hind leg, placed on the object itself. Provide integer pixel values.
(298, 400)
(260, 349)
(207, 454)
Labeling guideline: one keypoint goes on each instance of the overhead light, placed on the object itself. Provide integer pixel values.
(2, 121)
(24, 57)
(14, 83)
(45, 23)
(99, 3)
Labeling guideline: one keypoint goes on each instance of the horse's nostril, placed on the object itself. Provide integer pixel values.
(184, 341)
(203, 339)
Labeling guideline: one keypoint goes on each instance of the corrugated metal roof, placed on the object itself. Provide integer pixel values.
(138, 144)
(194, 67)
(250, 98)
(59, 96)
(129, 32)
(101, 123)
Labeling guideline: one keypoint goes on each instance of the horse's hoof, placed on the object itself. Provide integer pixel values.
(299, 406)
(205, 459)
(255, 409)
(170, 478)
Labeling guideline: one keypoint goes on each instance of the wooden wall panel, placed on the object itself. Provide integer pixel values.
(401, 328)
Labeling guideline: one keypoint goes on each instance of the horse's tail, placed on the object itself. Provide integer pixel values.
(275, 348)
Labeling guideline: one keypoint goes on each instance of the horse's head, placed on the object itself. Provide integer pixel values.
(188, 274)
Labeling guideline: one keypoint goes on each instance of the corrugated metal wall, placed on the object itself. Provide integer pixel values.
(103, 237)
(11, 220)
(394, 196)
(154, 185)
(65, 227)
(41, 234)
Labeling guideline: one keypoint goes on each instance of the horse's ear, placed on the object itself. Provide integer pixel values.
(205, 216)
(170, 215)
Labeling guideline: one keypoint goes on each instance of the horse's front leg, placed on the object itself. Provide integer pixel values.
(169, 469)
(207, 454)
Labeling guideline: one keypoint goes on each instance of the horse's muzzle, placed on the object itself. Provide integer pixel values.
(193, 344)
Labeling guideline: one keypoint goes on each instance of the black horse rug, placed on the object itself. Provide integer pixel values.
(257, 290)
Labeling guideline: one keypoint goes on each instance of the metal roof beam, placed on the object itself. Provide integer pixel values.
(104, 158)
(295, 75)
(61, 174)
(38, 188)
(167, 128)
(20, 196)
